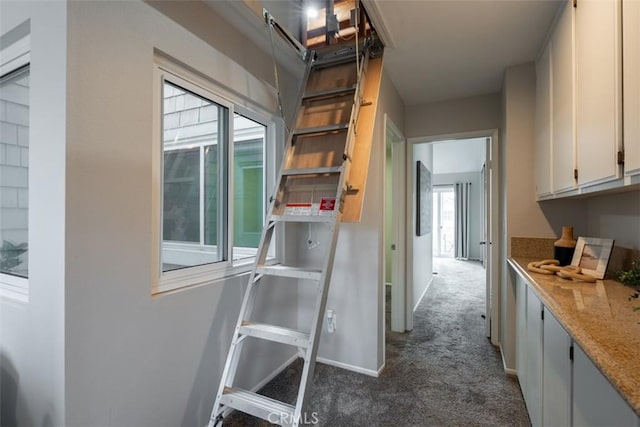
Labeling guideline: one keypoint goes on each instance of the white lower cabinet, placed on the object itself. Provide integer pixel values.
(595, 402)
(556, 373)
(559, 391)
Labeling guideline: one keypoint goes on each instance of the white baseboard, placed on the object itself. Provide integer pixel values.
(352, 368)
(423, 294)
(508, 371)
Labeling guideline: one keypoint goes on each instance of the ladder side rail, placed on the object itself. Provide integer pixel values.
(233, 356)
(357, 102)
(321, 301)
(316, 327)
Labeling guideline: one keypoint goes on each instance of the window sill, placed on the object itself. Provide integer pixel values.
(14, 288)
(203, 275)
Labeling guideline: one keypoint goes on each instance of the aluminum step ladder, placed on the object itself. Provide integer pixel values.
(311, 186)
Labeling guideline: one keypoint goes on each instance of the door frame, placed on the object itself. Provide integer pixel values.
(493, 253)
(399, 292)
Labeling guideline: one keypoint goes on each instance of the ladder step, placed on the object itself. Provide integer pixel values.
(303, 218)
(275, 334)
(312, 171)
(286, 271)
(257, 405)
(335, 58)
(322, 129)
(330, 93)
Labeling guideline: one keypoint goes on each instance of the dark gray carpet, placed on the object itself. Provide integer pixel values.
(443, 373)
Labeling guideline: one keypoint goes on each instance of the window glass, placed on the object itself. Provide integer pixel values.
(194, 136)
(249, 187)
(14, 173)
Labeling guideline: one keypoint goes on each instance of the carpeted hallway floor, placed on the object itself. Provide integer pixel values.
(443, 373)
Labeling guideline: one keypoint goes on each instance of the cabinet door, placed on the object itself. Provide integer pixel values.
(563, 122)
(595, 401)
(631, 84)
(521, 330)
(543, 124)
(533, 386)
(598, 100)
(556, 377)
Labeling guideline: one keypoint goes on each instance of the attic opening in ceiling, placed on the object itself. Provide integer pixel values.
(330, 22)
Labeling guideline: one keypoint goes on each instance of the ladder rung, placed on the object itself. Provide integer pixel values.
(286, 271)
(302, 218)
(322, 129)
(312, 171)
(257, 405)
(275, 334)
(330, 93)
(333, 59)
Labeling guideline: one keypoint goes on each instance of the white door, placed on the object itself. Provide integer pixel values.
(400, 298)
(487, 233)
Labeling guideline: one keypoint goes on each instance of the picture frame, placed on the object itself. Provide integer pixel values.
(592, 255)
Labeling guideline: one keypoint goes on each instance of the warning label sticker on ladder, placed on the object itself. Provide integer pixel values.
(327, 206)
(298, 209)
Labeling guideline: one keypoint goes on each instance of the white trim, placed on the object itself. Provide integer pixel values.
(377, 19)
(508, 371)
(423, 294)
(493, 316)
(15, 55)
(13, 287)
(351, 368)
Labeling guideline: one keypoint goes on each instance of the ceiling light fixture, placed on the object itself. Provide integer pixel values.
(312, 12)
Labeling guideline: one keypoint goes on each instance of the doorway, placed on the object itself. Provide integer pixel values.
(443, 221)
(483, 215)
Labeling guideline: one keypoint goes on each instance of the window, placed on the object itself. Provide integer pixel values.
(14, 182)
(214, 169)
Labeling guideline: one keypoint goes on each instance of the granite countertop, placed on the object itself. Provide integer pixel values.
(600, 318)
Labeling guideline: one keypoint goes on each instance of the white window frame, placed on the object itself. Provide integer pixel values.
(165, 70)
(13, 57)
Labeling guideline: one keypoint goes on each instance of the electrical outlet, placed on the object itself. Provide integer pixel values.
(331, 321)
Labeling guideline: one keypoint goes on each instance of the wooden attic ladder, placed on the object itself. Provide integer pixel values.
(311, 188)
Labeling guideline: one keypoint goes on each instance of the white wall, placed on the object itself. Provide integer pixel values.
(422, 245)
(32, 364)
(617, 217)
(459, 155)
(521, 215)
(357, 284)
(453, 116)
(133, 358)
(475, 205)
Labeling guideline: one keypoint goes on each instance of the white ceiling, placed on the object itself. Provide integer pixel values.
(458, 156)
(448, 49)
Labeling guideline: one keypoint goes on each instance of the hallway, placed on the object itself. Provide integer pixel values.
(443, 373)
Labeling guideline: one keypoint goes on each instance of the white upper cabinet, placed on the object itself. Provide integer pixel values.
(543, 124)
(563, 101)
(598, 90)
(631, 80)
